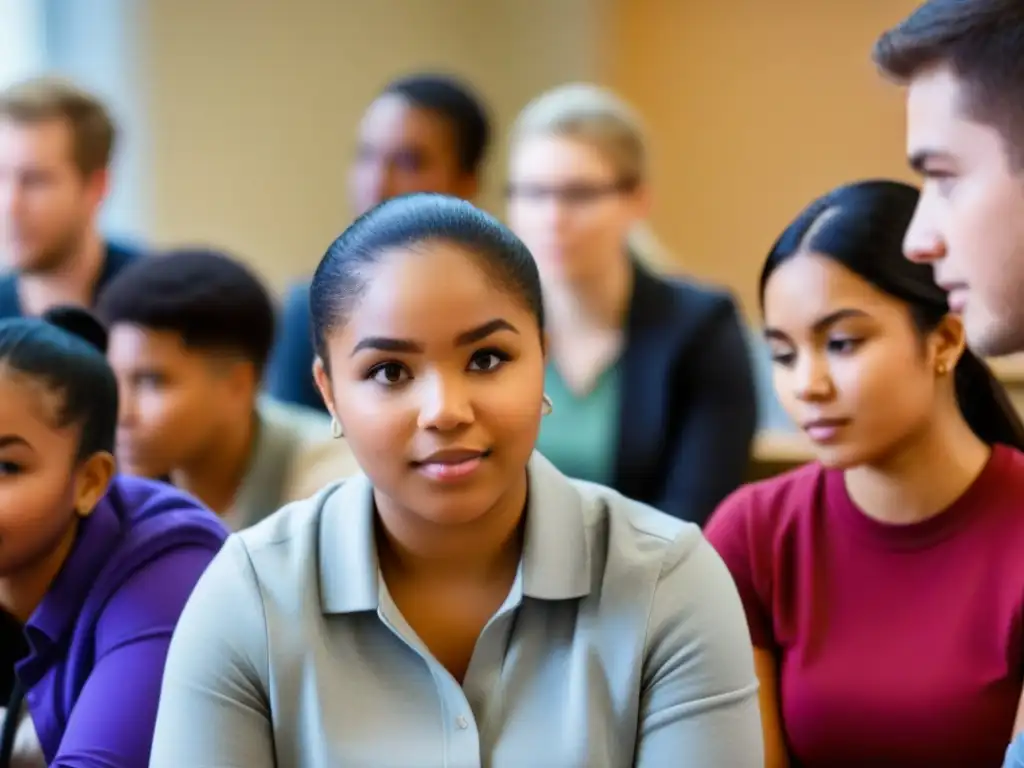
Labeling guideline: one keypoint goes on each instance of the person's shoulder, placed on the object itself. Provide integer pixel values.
(289, 535)
(305, 424)
(998, 492)
(681, 309)
(633, 533)
(1008, 463)
(124, 250)
(151, 509)
(296, 298)
(771, 503)
(163, 534)
(9, 304)
(1015, 754)
(695, 296)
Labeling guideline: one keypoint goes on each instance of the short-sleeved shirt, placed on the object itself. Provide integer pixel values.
(97, 641)
(899, 645)
(622, 642)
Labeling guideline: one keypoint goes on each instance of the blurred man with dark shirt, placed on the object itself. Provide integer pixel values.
(56, 145)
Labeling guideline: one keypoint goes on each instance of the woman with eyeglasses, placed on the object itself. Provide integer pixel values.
(650, 378)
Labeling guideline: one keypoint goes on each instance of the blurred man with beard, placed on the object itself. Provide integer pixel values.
(56, 143)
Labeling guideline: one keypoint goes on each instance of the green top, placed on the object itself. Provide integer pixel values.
(580, 436)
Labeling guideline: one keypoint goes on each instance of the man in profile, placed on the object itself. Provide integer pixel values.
(56, 145)
(963, 64)
(423, 133)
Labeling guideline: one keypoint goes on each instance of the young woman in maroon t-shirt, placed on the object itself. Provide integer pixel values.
(884, 583)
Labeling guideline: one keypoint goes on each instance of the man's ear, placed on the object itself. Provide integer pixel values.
(92, 479)
(322, 379)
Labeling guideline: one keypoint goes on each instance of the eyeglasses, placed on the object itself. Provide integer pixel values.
(569, 194)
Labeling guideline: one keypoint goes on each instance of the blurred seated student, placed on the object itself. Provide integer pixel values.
(190, 332)
(423, 133)
(884, 583)
(650, 377)
(56, 146)
(94, 567)
(432, 612)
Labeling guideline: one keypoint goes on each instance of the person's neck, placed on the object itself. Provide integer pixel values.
(923, 478)
(595, 302)
(72, 281)
(22, 592)
(215, 475)
(485, 550)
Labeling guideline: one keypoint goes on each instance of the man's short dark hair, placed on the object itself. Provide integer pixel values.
(42, 99)
(209, 299)
(457, 103)
(982, 41)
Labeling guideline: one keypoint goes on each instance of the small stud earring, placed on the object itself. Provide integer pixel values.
(546, 406)
(336, 429)
(943, 369)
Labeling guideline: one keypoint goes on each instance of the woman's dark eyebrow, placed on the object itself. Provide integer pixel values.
(408, 346)
(827, 321)
(483, 331)
(385, 344)
(821, 324)
(9, 440)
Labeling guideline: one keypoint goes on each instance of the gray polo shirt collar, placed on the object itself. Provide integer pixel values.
(555, 563)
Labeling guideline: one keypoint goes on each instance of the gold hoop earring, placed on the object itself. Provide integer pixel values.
(336, 429)
(546, 406)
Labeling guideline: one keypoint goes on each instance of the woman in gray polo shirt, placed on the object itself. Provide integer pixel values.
(461, 603)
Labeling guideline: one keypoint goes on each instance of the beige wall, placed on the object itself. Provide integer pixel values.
(240, 114)
(250, 106)
(754, 108)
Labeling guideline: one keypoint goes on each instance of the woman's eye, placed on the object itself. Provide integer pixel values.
(783, 356)
(843, 346)
(487, 360)
(9, 468)
(389, 374)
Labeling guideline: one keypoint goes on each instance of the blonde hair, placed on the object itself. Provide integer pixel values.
(596, 116)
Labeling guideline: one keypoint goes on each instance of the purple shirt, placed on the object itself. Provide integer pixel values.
(99, 638)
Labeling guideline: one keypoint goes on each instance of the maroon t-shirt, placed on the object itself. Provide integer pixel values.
(899, 646)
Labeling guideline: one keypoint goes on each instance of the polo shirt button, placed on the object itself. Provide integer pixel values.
(462, 722)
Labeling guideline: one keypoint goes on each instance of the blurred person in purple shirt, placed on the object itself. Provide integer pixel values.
(95, 568)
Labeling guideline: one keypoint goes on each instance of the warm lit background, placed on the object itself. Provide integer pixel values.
(239, 115)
